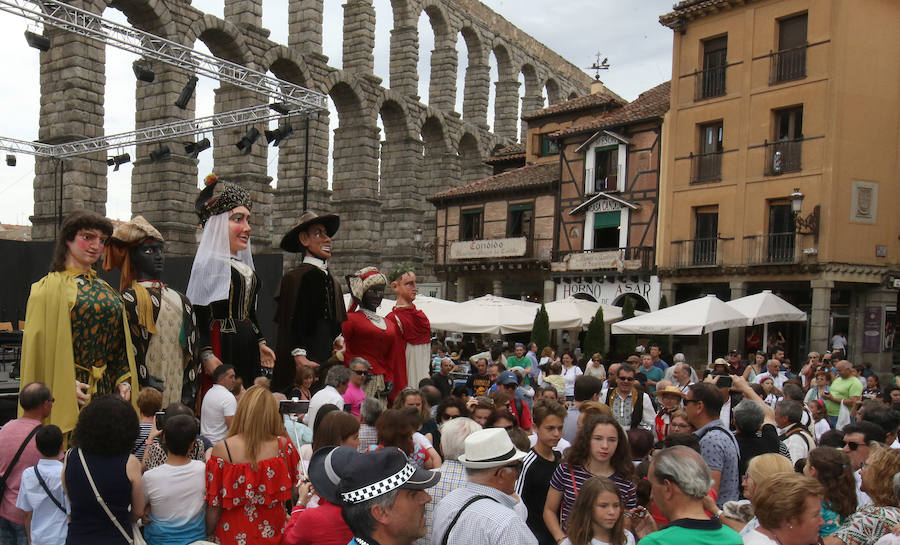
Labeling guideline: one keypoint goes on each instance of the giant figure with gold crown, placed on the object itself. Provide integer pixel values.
(161, 319)
(76, 334)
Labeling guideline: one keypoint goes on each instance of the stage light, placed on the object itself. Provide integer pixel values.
(194, 148)
(280, 107)
(143, 72)
(37, 41)
(160, 153)
(118, 160)
(275, 137)
(246, 143)
(10, 160)
(186, 93)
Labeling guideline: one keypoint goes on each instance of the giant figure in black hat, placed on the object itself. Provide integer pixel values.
(224, 286)
(161, 319)
(310, 301)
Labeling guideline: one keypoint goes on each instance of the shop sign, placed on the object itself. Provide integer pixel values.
(588, 261)
(610, 293)
(871, 341)
(480, 249)
(605, 205)
(431, 289)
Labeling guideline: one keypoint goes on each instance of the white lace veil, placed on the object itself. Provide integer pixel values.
(211, 272)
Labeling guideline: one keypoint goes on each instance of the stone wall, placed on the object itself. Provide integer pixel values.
(423, 149)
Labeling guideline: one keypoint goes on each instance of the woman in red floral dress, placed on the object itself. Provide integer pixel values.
(250, 475)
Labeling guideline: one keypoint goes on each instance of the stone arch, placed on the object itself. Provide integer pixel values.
(506, 101)
(476, 88)
(347, 94)
(392, 105)
(153, 16)
(404, 12)
(471, 161)
(223, 39)
(532, 99)
(572, 95)
(554, 94)
(288, 65)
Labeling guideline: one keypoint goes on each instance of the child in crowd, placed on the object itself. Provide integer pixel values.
(41, 492)
(598, 517)
(820, 417)
(176, 491)
(773, 394)
(555, 379)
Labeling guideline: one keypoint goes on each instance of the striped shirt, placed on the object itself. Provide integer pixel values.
(567, 475)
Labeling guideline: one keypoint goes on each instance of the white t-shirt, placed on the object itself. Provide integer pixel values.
(570, 375)
(629, 540)
(754, 537)
(217, 404)
(176, 494)
(838, 342)
(821, 427)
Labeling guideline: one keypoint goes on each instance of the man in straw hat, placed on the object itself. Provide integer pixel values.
(482, 512)
(161, 319)
(383, 498)
(310, 301)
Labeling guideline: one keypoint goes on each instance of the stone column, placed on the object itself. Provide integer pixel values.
(820, 314)
(72, 82)
(549, 291)
(506, 109)
(404, 61)
(476, 93)
(305, 25)
(667, 289)
(402, 204)
(248, 170)
(292, 169)
(359, 36)
(442, 85)
(530, 103)
(462, 289)
(355, 196)
(736, 334)
(164, 191)
(244, 13)
(497, 287)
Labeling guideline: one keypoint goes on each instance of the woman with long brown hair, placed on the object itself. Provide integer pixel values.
(600, 450)
(251, 474)
(831, 467)
(598, 517)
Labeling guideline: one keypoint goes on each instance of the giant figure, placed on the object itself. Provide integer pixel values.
(76, 337)
(224, 286)
(310, 302)
(374, 338)
(414, 325)
(161, 319)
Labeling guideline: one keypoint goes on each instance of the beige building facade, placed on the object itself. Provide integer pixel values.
(777, 103)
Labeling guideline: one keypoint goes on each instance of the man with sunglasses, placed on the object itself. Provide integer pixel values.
(630, 405)
(482, 511)
(857, 437)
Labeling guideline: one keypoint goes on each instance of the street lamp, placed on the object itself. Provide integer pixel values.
(808, 225)
(418, 235)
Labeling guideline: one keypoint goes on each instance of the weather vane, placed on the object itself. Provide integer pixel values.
(598, 66)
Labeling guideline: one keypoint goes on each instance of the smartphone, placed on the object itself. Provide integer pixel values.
(289, 406)
(160, 420)
(347, 407)
(724, 382)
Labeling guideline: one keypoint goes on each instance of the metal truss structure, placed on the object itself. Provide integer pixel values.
(291, 99)
(167, 131)
(87, 24)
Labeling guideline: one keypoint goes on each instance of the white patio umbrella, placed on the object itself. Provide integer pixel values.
(437, 310)
(563, 309)
(696, 317)
(766, 307)
(493, 314)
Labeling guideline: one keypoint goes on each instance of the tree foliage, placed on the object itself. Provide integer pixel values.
(595, 338)
(540, 330)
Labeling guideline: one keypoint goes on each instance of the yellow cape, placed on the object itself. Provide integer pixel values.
(47, 346)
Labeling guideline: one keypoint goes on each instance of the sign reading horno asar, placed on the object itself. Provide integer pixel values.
(497, 247)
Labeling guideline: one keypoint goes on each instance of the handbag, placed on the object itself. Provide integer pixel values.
(843, 417)
(138, 538)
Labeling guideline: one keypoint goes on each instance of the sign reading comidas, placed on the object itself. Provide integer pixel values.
(497, 247)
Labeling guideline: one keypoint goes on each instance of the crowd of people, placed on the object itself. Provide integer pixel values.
(483, 451)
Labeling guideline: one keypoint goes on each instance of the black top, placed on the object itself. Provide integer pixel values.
(762, 442)
(479, 384)
(443, 383)
(532, 486)
(89, 523)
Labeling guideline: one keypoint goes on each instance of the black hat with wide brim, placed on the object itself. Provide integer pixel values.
(291, 241)
(326, 469)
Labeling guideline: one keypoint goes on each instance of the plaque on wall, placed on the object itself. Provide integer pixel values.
(590, 261)
(480, 249)
(864, 202)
